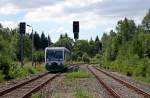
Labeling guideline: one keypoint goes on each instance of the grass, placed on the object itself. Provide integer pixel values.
(80, 93)
(146, 80)
(36, 95)
(1, 77)
(78, 74)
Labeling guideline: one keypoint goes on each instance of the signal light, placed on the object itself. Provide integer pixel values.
(75, 26)
(76, 29)
(22, 28)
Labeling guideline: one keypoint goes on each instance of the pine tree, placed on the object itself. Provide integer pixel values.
(1, 25)
(49, 41)
(44, 41)
(37, 41)
(146, 22)
(98, 45)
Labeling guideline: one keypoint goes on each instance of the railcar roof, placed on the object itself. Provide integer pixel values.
(57, 48)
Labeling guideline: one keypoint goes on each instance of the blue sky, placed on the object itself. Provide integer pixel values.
(55, 16)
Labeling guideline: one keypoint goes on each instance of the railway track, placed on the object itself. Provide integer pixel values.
(26, 88)
(117, 87)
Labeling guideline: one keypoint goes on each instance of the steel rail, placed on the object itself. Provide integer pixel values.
(5, 91)
(109, 89)
(138, 90)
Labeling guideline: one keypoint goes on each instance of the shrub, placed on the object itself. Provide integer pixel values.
(86, 58)
(79, 59)
(14, 71)
(5, 64)
(41, 68)
(30, 69)
(39, 56)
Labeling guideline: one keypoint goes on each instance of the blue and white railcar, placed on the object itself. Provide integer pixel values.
(55, 58)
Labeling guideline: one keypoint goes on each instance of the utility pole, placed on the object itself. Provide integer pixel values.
(21, 38)
(32, 45)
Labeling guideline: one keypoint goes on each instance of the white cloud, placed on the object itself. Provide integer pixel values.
(89, 17)
(61, 29)
(98, 15)
(57, 14)
(29, 4)
(55, 33)
(9, 9)
(44, 13)
(58, 30)
(9, 24)
(78, 3)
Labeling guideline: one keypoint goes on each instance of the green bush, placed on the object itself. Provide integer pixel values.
(86, 58)
(13, 72)
(5, 63)
(39, 56)
(96, 59)
(79, 59)
(23, 72)
(30, 69)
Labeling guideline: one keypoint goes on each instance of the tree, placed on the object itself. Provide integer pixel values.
(126, 28)
(146, 21)
(86, 58)
(104, 41)
(61, 36)
(81, 46)
(128, 49)
(1, 25)
(66, 35)
(8, 44)
(64, 42)
(37, 41)
(49, 41)
(44, 41)
(98, 45)
(27, 46)
(92, 46)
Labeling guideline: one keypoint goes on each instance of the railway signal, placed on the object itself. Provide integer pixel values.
(76, 29)
(22, 30)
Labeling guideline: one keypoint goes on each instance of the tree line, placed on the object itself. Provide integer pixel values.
(81, 50)
(127, 49)
(10, 51)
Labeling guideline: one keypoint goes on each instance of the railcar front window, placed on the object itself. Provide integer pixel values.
(52, 55)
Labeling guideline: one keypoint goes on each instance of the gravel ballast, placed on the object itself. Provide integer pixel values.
(69, 86)
(119, 88)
